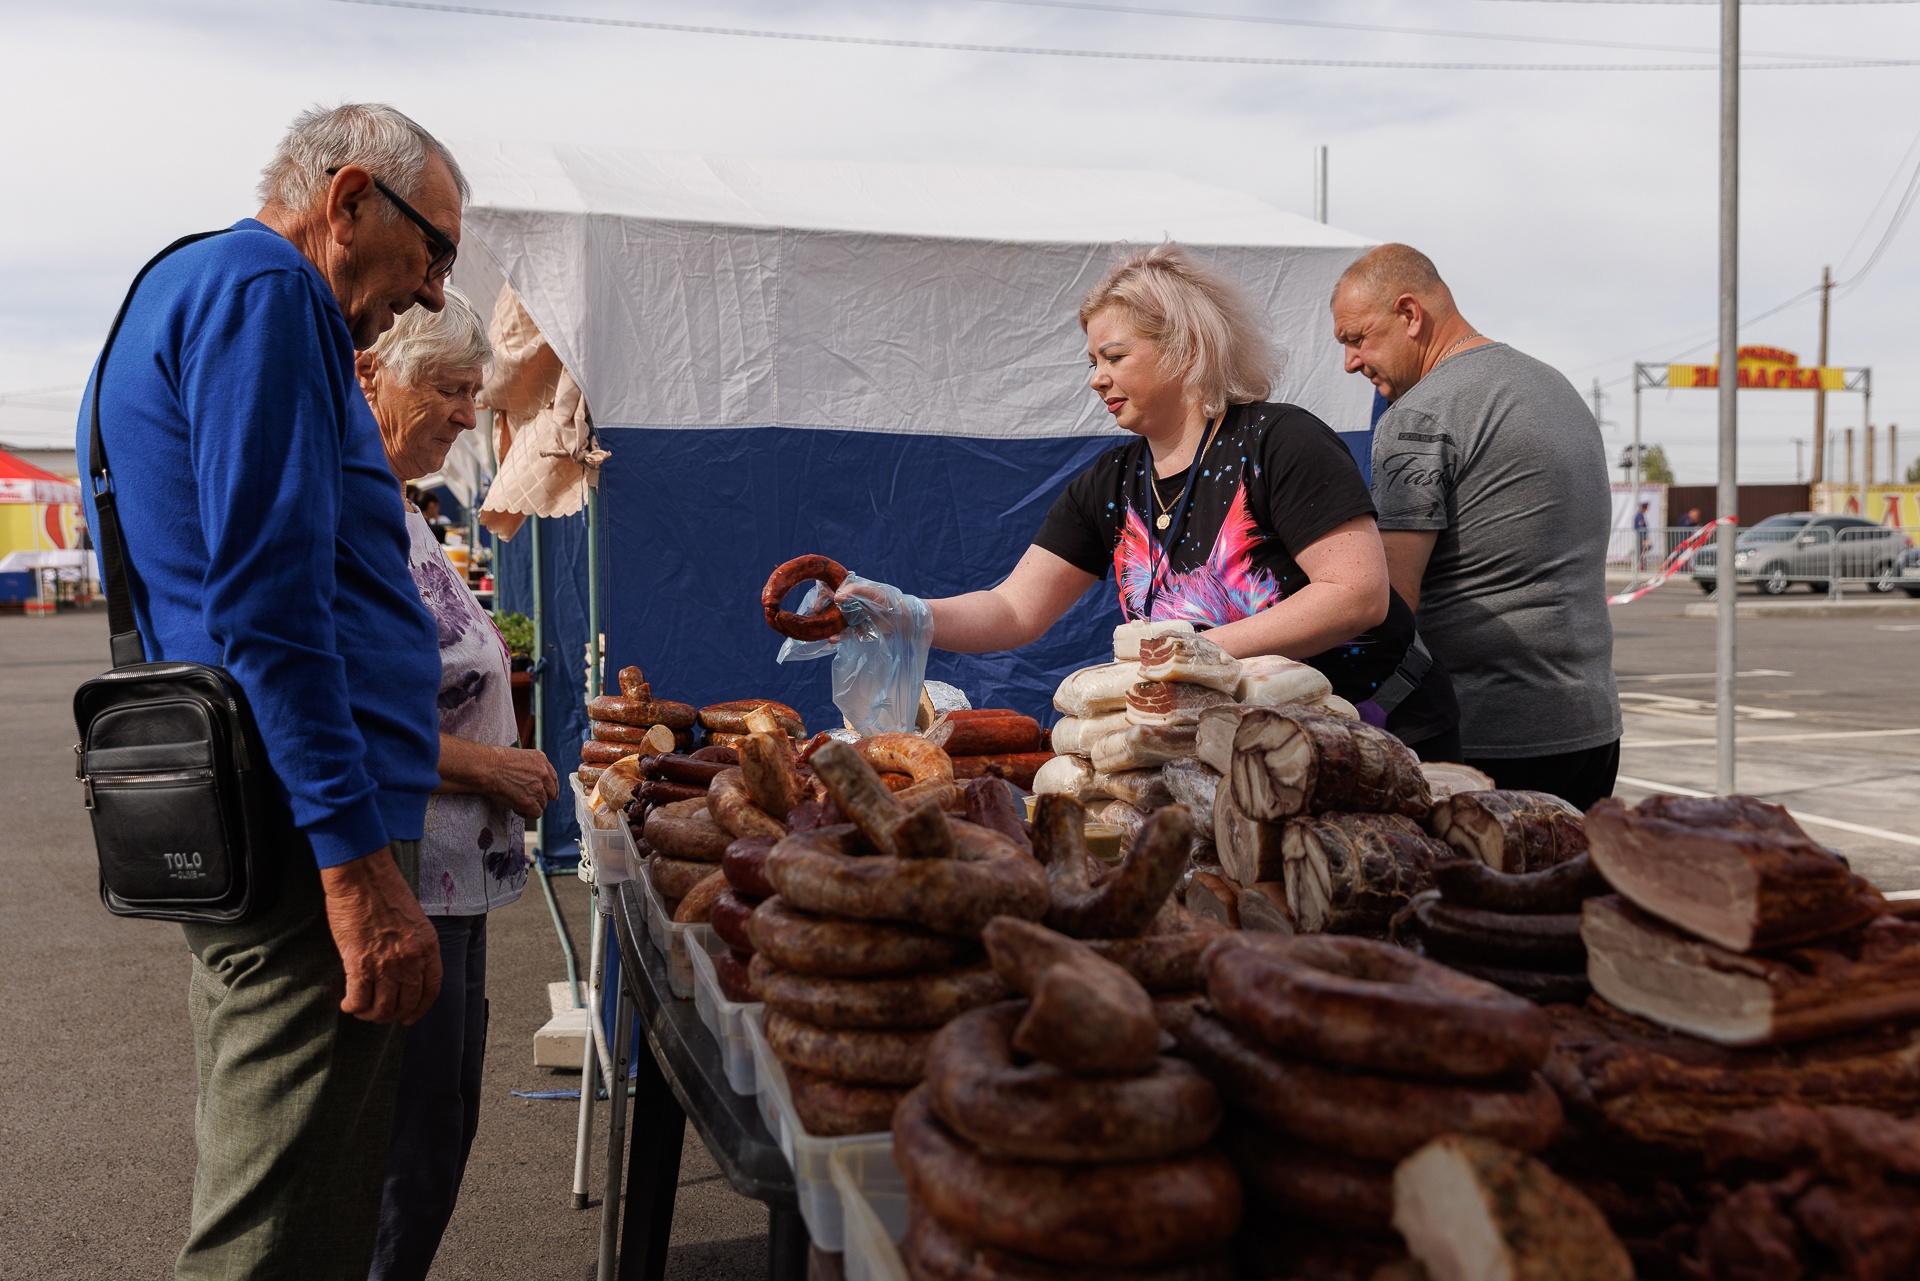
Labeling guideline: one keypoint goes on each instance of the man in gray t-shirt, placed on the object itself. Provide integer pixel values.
(1494, 507)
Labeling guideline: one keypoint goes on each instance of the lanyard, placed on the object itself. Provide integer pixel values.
(1181, 510)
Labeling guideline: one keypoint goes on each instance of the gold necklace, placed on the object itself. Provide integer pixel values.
(1459, 342)
(1165, 518)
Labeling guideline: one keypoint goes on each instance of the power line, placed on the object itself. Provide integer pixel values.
(1750, 4)
(1899, 218)
(1893, 180)
(1754, 319)
(1509, 37)
(1237, 60)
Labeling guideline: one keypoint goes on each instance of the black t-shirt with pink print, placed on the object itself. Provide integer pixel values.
(1274, 481)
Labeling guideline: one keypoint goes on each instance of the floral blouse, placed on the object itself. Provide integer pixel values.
(472, 856)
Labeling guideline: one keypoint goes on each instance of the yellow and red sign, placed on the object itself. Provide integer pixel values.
(1763, 368)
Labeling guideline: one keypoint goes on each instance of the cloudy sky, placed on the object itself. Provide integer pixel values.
(1572, 211)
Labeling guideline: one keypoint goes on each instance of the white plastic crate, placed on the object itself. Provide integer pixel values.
(727, 1020)
(872, 1241)
(605, 853)
(877, 1178)
(671, 939)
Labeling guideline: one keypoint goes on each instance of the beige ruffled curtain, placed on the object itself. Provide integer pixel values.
(543, 432)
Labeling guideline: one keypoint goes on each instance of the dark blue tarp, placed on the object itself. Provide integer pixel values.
(693, 520)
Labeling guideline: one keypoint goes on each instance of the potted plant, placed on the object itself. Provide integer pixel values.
(517, 631)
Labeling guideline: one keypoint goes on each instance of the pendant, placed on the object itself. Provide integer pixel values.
(1163, 520)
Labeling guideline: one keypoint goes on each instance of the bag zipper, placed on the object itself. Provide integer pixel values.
(122, 778)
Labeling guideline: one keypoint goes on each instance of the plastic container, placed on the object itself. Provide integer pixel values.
(874, 1221)
(875, 1174)
(606, 853)
(727, 1020)
(673, 940)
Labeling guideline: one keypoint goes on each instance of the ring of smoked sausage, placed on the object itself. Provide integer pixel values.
(595, 752)
(907, 754)
(1307, 1183)
(933, 1253)
(823, 871)
(636, 706)
(1132, 1214)
(674, 878)
(859, 1056)
(1379, 1118)
(1036, 1112)
(921, 1000)
(831, 1109)
(1372, 1006)
(731, 912)
(684, 830)
(823, 946)
(730, 968)
(745, 863)
(804, 627)
(731, 717)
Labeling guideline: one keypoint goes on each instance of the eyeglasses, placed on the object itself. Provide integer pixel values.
(444, 250)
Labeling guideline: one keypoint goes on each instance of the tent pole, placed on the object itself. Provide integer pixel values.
(593, 591)
(539, 646)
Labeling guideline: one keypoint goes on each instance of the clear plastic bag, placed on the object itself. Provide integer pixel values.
(879, 661)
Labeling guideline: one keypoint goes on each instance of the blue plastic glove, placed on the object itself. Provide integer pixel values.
(880, 660)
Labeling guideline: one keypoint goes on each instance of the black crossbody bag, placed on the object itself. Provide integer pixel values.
(182, 801)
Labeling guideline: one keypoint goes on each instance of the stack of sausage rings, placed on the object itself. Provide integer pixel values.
(632, 721)
(870, 940)
(1343, 1056)
(1052, 1140)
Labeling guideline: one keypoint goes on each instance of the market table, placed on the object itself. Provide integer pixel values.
(681, 1078)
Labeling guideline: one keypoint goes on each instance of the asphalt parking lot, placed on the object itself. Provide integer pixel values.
(96, 1130)
(96, 1144)
(1827, 719)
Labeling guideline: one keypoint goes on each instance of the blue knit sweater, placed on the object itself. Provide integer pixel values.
(266, 532)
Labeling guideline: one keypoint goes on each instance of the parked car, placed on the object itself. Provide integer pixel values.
(1908, 572)
(1810, 548)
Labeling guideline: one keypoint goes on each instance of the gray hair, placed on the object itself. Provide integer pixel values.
(422, 341)
(370, 134)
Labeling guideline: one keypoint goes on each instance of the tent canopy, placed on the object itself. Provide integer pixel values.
(880, 363)
(22, 482)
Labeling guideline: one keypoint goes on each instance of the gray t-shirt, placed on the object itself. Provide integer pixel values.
(1498, 453)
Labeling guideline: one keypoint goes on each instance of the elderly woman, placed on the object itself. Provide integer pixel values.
(1245, 517)
(421, 379)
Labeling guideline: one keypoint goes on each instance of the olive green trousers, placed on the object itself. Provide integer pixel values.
(296, 1098)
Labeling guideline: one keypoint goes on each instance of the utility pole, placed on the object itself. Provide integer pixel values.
(1866, 464)
(1820, 393)
(1799, 471)
(1320, 184)
(1893, 454)
(1727, 493)
(1849, 458)
(1599, 401)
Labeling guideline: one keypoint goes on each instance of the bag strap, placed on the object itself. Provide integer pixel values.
(116, 568)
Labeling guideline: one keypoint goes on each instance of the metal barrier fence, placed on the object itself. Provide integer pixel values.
(1774, 561)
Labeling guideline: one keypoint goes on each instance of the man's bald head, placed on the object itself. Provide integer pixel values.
(1387, 272)
(1394, 317)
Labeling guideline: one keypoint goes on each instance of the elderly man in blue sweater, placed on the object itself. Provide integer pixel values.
(266, 535)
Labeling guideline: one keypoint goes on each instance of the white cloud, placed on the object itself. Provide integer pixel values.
(1574, 214)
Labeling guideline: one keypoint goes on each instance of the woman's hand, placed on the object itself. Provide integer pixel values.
(524, 780)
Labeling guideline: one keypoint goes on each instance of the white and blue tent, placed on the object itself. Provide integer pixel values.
(880, 363)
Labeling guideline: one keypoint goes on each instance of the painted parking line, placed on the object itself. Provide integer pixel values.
(1743, 740)
(1837, 824)
(1676, 707)
(1653, 678)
